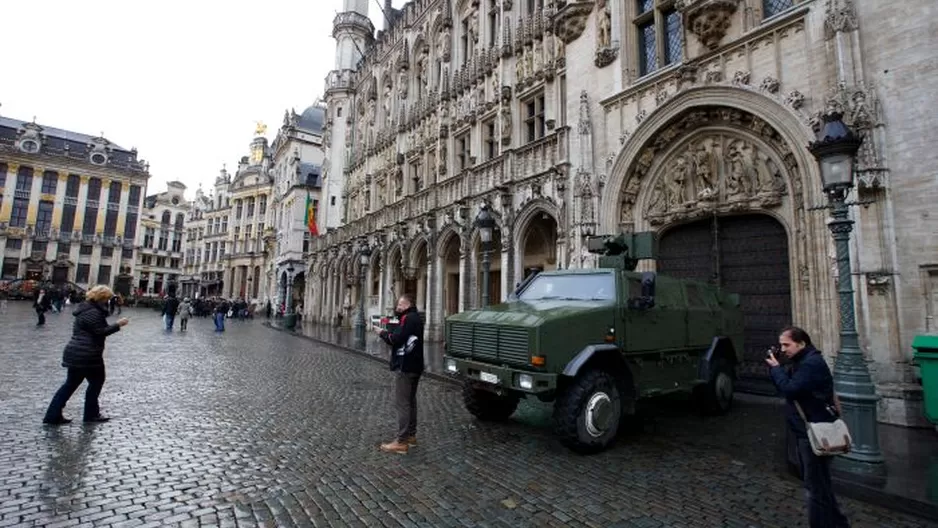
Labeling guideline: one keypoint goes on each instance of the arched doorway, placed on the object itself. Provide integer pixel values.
(744, 254)
(538, 245)
(416, 276)
(449, 276)
(299, 291)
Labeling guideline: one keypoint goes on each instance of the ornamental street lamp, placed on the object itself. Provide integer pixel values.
(835, 149)
(485, 222)
(364, 257)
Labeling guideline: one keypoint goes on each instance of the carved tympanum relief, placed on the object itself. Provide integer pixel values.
(743, 166)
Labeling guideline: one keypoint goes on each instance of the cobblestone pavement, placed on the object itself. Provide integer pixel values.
(255, 427)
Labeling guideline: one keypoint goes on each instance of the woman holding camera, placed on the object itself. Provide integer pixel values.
(84, 356)
(809, 385)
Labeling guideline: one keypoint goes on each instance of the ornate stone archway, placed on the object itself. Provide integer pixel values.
(718, 152)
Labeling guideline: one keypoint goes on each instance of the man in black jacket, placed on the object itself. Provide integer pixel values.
(811, 386)
(406, 342)
(170, 307)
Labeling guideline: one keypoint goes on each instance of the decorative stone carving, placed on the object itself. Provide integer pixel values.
(661, 96)
(708, 20)
(840, 17)
(769, 85)
(794, 99)
(713, 76)
(505, 120)
(603, 26)
(722, 172)
(705, 170)
(605, 57)
(861, 110)
(444, 45)
(741, 78)
(570, 20)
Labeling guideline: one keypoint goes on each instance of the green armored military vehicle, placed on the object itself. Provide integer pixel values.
(596, 340)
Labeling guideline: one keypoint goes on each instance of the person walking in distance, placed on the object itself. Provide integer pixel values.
(221, 310)
(84, 356)
(406, 342)
(184, 311)
(41, 305)
(170, 306)
(810, 386)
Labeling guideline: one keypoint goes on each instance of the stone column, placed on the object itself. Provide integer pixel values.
(429, 294)
(464, 275)
(439, 277)
(6, 203)
(382, 279)
(506, 285)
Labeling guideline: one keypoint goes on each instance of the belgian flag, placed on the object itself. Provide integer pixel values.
(311, 215)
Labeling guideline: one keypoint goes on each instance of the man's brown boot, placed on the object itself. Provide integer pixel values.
(411, 441)
(394, 447)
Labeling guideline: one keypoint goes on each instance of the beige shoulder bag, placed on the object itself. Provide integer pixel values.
(827, 438)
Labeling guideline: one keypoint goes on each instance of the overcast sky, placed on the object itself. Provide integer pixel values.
(182, 81)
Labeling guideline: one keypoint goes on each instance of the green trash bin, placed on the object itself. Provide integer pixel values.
(926, 357)
(289, 321)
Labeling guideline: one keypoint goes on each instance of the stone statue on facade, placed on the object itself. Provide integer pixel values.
(604, 22)
(705, 172)
(505, 114)
(402, 84)
(677, 183)
(739, 173)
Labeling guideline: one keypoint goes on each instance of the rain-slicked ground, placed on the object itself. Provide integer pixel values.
(255, 427)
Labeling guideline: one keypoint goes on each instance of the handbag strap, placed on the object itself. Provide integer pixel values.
(801, 412)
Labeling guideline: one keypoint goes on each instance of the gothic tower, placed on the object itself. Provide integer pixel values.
(353, 32)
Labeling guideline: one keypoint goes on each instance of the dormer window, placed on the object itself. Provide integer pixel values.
(98, 158)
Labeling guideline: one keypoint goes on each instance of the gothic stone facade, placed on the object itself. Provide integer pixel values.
(689, 118)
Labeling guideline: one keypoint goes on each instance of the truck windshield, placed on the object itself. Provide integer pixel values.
(573, 287)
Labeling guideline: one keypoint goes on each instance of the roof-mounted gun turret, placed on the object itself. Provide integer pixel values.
(623, 251)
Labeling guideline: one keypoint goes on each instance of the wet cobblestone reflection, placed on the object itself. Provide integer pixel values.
(255, 427)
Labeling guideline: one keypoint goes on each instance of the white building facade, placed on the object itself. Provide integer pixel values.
(298, 157)
(160, 238)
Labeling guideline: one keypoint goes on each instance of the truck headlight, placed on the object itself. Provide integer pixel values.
(451, 365)
(525, 381)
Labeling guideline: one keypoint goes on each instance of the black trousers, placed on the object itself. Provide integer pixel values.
(41, 312)
(405, 399)
(823, 510)
(74, 379)
(183, 323)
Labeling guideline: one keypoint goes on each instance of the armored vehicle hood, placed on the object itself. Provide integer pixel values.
(531, 313)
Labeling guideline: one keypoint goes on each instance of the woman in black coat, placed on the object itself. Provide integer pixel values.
(84, 356)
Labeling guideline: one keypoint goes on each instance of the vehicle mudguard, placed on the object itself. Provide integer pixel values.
(574, 366)
(721, 346)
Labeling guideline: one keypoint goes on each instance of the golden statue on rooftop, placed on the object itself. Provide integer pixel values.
(260, 129)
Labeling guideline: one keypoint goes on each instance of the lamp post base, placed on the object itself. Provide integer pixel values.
(855, 467)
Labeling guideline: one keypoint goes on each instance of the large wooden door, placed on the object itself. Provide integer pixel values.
(747, 255)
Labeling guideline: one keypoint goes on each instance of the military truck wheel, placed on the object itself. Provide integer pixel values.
(716, 397)
(486, 405)
(587, 414)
